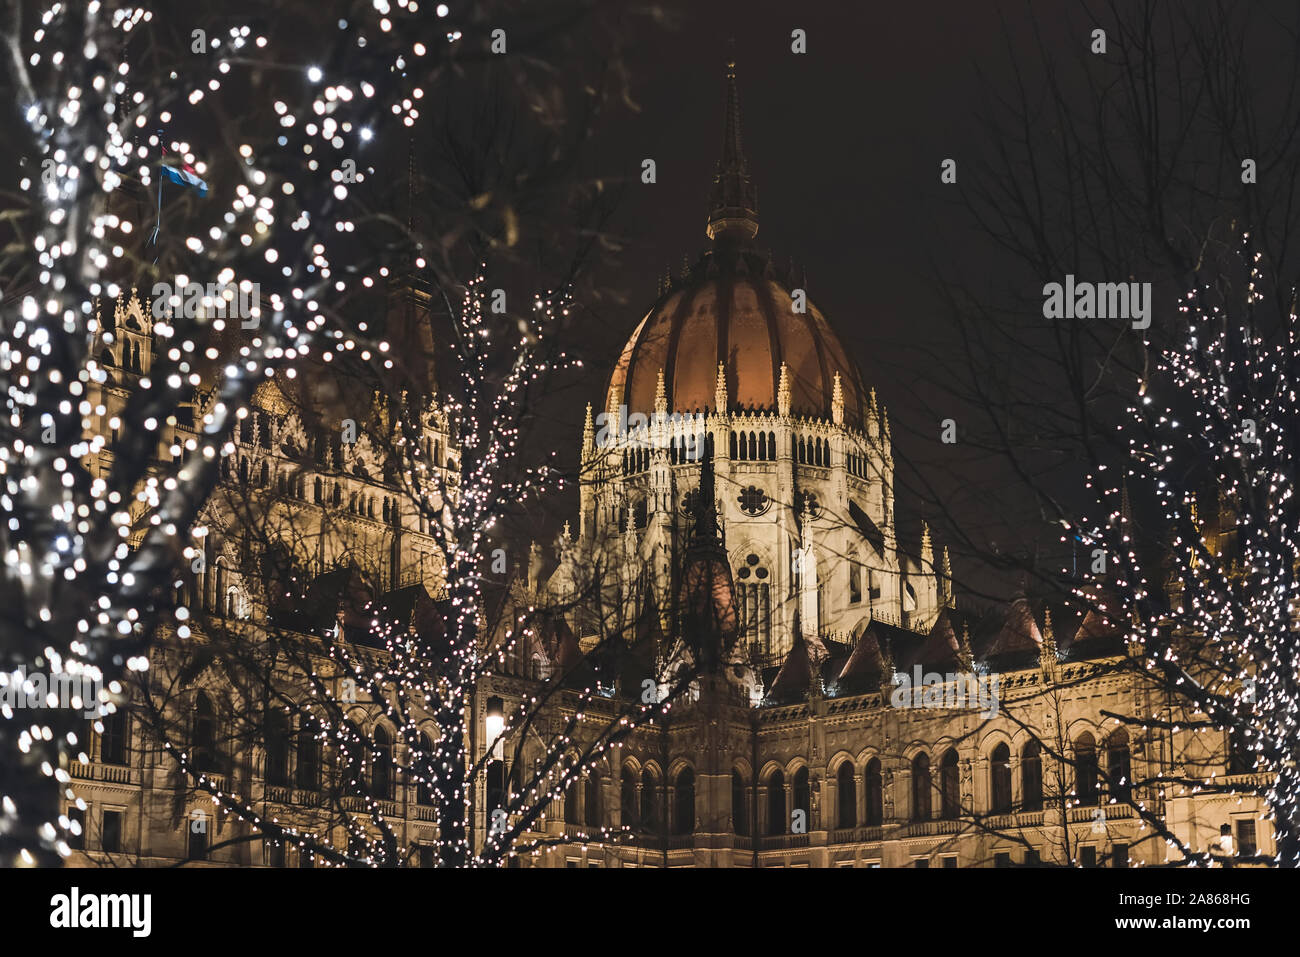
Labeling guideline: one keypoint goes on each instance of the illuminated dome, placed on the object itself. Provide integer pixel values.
(733, 307)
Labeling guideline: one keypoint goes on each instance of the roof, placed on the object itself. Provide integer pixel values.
(733, 309)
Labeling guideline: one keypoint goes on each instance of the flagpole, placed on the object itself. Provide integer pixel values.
(157, 224)
(153, 240)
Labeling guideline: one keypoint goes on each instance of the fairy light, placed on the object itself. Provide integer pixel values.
(69, 534)
(1226, 647)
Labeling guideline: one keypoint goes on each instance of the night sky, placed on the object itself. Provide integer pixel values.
(844, 144)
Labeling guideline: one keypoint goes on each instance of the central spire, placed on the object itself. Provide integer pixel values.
(733, 204)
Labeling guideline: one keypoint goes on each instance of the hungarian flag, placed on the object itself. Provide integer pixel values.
(182, 174)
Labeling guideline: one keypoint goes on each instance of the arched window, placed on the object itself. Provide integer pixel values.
(649, 801)
(319, 488)
(381, 766)
(753, 446)
(424, 790)
(218, 602)
(732, 443)
(855, 577)
(591, 811)
(1118, 770)
(1085, 769)
(264, 475)
(276, 734)
(571, 803)
(846, 795)
(1000, 780)
(308, 771)
(628, 807)
(802, 796)
(739, 805)
(875, 794)
(1031, 777)
(1239, 756)
(921, 787)
(205, 734)
(684, 801)
(776, 803)
(496, 787)
(949, 786)
(112, 743)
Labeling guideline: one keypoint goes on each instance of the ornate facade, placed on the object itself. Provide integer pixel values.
(736, 526)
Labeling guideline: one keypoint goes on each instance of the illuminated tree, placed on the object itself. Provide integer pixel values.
(1218, 633)
(283, 121)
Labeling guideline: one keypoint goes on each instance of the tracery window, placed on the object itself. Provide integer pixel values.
(753, 501)
(753, 591)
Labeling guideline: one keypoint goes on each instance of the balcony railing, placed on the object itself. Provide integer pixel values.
(927, 828)
(1260, 779)
(279, 794)
(1005, 822)
(856, 835)
(109, 773)
(784, 841)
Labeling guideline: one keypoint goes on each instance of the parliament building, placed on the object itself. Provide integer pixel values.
(736, 529)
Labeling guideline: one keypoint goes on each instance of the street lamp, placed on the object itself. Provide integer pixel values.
(496, 723)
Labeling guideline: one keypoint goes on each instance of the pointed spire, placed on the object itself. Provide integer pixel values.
(783, 392)
(612, 418)
(927, 550)
(1048, 652)
(837, 401)
(887, 659)
(733, 207)
(964, 653)
(720, 391)
(661, 395)
(945, 573)
(706, 506)
(588, 434)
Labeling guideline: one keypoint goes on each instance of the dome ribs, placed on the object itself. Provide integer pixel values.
(674, 336)
(745, 321)
(721, 326)
(767, 305)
